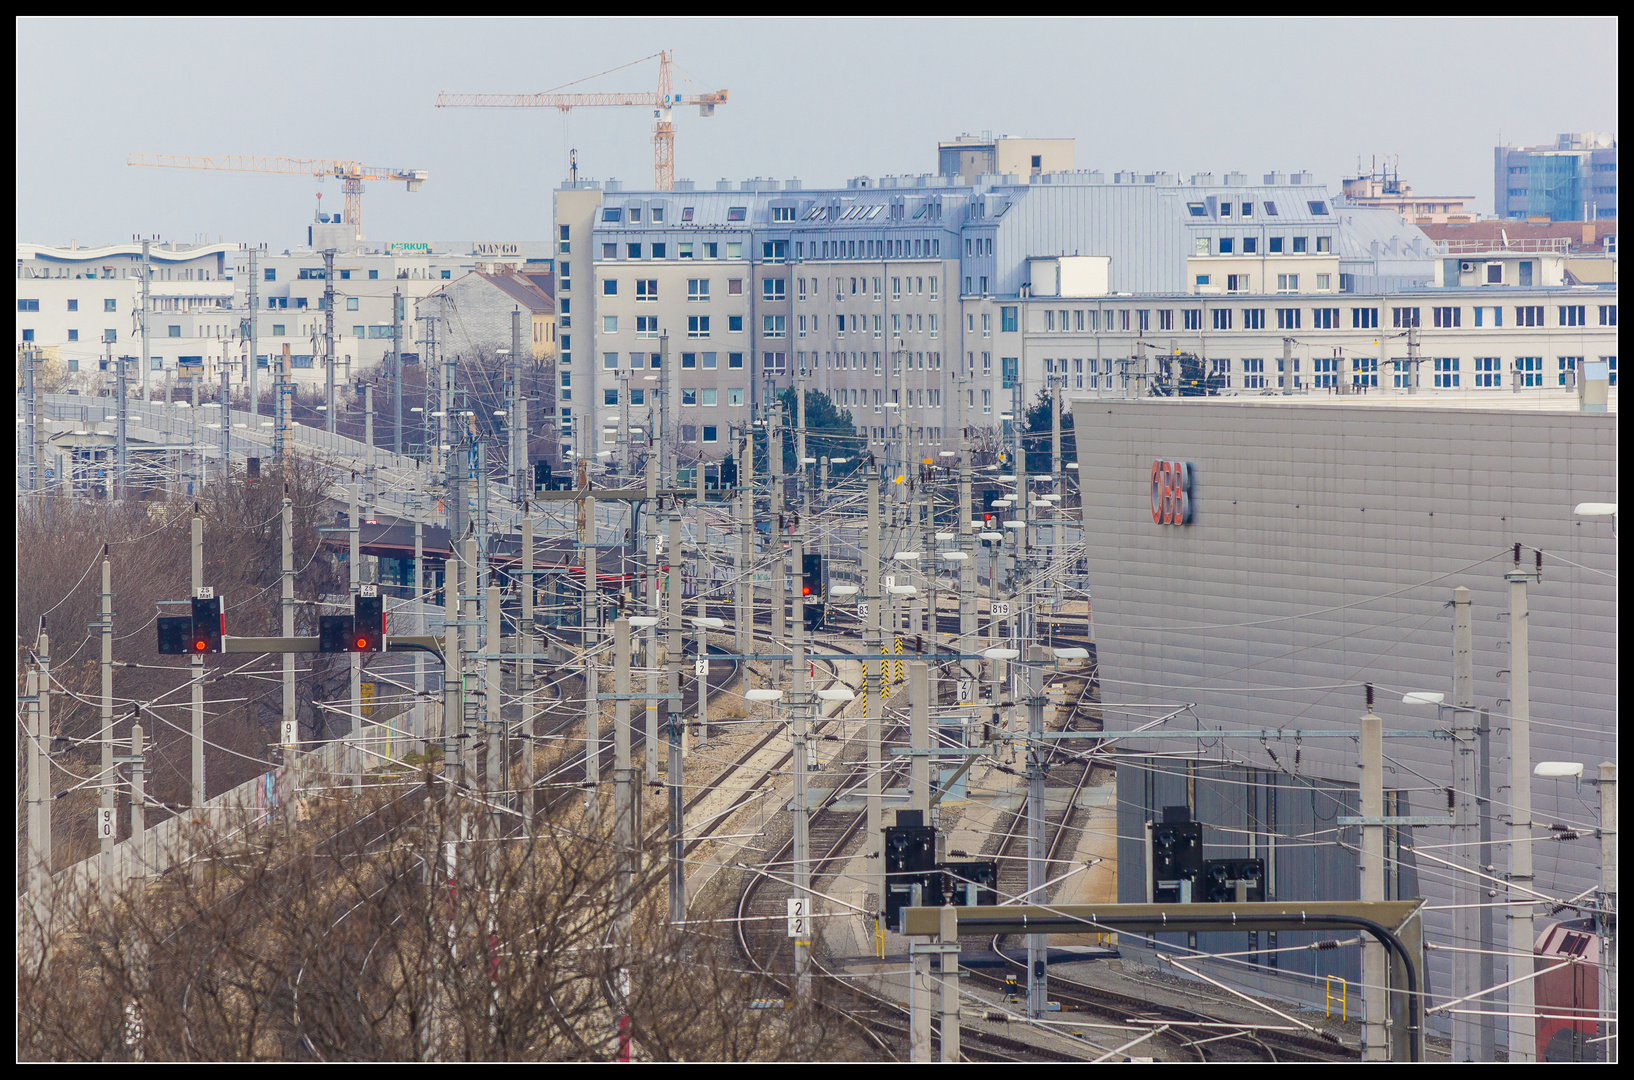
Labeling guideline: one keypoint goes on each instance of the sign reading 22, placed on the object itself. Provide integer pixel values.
(1171, 492)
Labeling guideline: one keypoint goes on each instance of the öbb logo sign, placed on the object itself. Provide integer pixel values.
(1171, 492)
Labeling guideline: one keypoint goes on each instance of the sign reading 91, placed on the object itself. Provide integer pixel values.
(1171, 492)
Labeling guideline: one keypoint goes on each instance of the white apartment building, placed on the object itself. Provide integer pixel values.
(901, 297)
(1510, 339)
(83, 306)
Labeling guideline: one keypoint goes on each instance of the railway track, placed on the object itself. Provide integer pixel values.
(834, 837)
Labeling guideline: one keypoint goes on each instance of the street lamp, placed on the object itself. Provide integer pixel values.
(1591, 509)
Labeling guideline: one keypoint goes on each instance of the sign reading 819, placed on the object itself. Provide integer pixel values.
(1171, 492)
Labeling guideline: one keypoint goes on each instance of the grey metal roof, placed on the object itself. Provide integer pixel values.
(1396, 237)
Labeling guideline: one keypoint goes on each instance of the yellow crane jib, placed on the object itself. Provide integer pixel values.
(350, 173)
(661, 101)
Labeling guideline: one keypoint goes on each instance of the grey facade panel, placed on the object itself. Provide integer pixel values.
(1325, 546)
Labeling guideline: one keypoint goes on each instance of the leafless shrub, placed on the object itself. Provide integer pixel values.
(350, 939)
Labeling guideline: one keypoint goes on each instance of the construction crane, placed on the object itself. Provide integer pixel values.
(660, 101)
(350, 173)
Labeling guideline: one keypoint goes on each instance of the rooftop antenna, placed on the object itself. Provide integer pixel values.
(573, 165)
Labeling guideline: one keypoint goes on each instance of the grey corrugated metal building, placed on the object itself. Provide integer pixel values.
(1326, 541)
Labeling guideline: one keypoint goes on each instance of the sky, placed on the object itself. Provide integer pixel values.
(823, 100)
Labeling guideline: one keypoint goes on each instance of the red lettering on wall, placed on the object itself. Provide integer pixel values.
(1171, 492)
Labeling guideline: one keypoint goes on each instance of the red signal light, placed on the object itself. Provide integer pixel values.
(200, 646)
(362, 643)
(805, 590)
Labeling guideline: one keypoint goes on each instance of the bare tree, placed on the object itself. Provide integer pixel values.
(399, 926)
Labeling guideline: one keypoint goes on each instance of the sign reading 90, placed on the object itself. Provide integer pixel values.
(1171, 492)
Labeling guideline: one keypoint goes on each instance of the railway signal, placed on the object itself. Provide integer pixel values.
(368, 620)
(209, 624)
(197, 633)
(334, 633)
(1177, 857)
(811, 575)
(174, 633)
(364, 630)
(1221, 878)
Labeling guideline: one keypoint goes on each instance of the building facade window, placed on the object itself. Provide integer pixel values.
(1488, 372)
(1446, 372)
(1403, 317)
(1529, 370)
(697, 326)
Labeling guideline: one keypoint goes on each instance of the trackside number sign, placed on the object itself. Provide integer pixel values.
(1171, 492)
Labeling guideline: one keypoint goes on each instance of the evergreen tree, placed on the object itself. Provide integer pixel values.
(1036, 437)
(829, 433)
